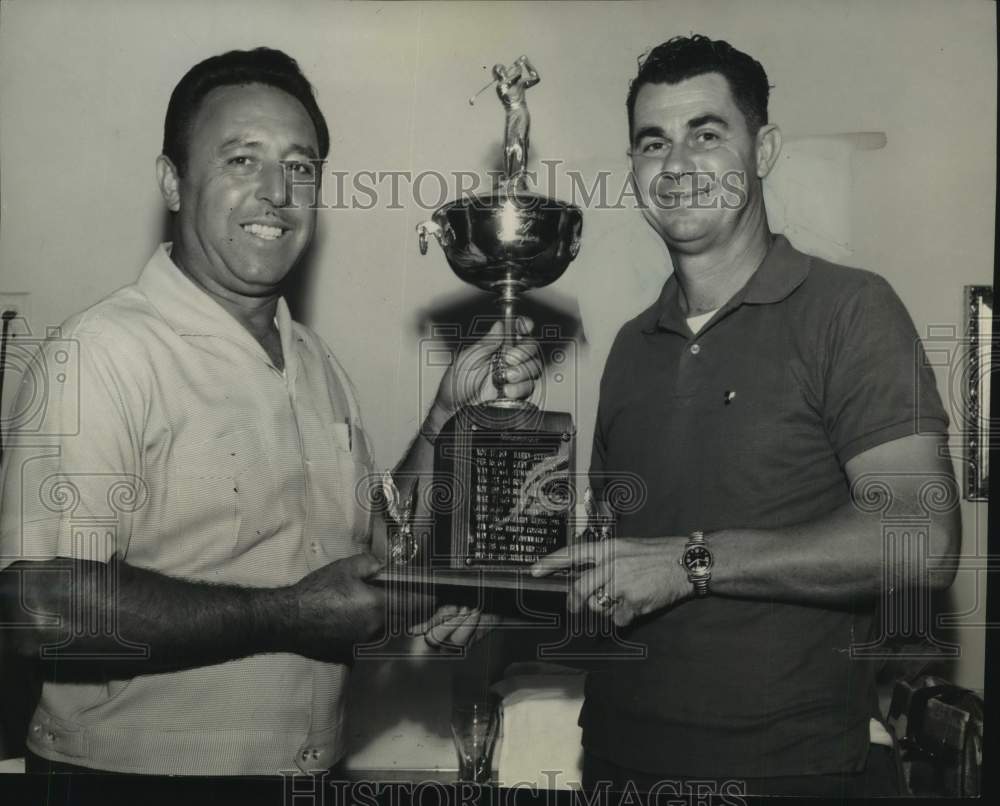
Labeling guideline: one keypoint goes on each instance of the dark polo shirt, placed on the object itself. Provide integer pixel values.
(818, 363)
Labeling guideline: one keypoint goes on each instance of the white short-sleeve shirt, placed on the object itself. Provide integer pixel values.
(174, 441)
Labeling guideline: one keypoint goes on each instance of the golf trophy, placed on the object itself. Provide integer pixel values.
(502, 468)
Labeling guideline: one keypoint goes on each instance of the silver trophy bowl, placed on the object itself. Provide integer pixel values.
(506, 243)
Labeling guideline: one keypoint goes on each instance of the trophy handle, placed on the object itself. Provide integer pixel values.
(425, 228)
(574, 244)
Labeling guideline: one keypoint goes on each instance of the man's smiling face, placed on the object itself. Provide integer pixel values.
(694, 160)
(236, 233)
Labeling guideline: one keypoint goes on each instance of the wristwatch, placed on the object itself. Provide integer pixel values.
(697, 560)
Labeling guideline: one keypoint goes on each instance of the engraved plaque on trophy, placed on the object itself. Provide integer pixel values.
(502, 468)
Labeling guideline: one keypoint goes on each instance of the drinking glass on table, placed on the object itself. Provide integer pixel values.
(474, 726)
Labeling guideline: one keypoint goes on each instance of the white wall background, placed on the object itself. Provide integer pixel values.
(84, 86)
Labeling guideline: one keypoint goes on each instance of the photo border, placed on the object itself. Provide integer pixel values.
(979, 307)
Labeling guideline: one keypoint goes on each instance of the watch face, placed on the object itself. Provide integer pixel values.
(697, 559)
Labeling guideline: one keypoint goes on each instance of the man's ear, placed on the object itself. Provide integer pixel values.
(169, 181)
(768, 148)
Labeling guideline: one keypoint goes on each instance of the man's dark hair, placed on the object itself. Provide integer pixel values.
(686, 57)
(259, 66)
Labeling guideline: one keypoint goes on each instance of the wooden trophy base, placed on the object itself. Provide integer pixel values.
(502, 499)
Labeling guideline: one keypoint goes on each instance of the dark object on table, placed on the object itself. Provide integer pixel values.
(939, 728)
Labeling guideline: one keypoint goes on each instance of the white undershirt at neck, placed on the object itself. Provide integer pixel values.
(698, 321)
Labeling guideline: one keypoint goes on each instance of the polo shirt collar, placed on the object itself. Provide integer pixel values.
(783, 269)
(190, 311)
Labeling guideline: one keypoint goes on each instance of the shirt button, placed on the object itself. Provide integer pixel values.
(314, 547)
(695, 349)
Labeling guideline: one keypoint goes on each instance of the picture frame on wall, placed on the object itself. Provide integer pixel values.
(979, 330)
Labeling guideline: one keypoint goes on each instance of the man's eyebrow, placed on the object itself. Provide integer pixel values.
(309, 151)
(234, 142)
(648, 131)
(243, 142)
(693, 123)
(701, 120)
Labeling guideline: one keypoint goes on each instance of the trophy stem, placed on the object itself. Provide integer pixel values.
(506, 299)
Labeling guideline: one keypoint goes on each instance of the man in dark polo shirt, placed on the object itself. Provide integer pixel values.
(769, 402)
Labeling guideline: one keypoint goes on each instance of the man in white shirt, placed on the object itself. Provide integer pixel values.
(201, 536)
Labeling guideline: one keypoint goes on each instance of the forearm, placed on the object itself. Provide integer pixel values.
(835, 560)
(102, 610)
(416, 467)
(418, 461)
(463, 385)
(850, 554)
